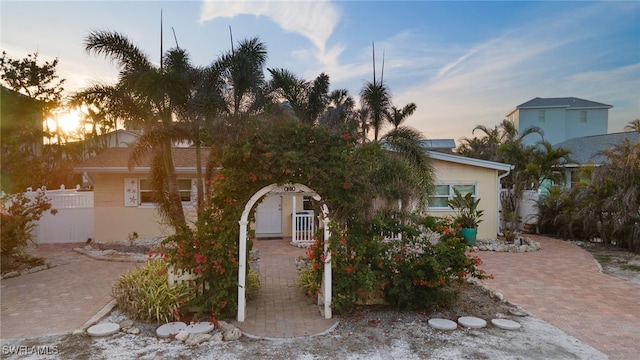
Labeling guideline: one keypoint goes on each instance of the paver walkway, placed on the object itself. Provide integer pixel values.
(561, 284)
(57, 300)
(280, 309)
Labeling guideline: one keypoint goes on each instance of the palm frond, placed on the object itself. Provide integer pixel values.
(118, 48)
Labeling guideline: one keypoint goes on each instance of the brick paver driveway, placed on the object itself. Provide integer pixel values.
(57, 300)
(561, 284)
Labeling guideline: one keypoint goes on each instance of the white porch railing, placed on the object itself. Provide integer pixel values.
(304, 229)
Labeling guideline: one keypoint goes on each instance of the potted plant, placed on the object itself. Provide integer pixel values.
(468, 215)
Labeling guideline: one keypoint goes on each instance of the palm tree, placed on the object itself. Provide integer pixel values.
(362, 116)
(398, 116)
(340, 115)
(243, 73)
(150, 96)
(503, 143)
(633, 125)
(544, 162)
(375, 97)
(406, 144)
(614, 185)
(308, 99)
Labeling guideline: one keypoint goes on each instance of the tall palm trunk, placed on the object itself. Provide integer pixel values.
(199, 184)
(177, 213)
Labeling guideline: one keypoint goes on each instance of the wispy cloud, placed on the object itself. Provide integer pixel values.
(545, 58)
(314, 20)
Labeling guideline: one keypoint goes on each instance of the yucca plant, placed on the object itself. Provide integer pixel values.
(253, 283)
(144, 293)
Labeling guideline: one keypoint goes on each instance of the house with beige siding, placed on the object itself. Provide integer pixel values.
(122, 197)
(479, 177)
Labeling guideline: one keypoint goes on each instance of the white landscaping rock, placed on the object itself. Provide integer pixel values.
(104, 329)
(169, 329)
(195, 339)
(133, 330)
(506, 324)
(217, 337)
(517, 312)
(225, 326)
(126, 324)
(182, 336)
(442, 324)
(233, 334)
(472, 322)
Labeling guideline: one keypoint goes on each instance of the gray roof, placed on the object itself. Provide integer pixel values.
(584, 149)
(438, 144)
(567, 102)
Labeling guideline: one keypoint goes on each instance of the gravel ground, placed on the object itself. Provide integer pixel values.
(366, 333)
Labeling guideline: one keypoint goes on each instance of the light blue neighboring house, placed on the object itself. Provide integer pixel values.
(560, 118)
(586, 150)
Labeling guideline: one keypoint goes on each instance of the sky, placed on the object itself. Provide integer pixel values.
(463, 63)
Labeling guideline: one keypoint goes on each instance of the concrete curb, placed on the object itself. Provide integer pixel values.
(124, 258)
(255, 337)
(99, 315)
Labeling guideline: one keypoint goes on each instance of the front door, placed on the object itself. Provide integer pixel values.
(269, 217)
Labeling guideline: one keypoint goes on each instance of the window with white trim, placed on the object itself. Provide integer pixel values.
(439, 199)
(146, 194)
(583, 116)
(541, 115)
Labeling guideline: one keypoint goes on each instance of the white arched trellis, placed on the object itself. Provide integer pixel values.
(289, 189)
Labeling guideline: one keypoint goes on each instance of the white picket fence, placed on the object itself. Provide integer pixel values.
(74, 220)
(178, 276)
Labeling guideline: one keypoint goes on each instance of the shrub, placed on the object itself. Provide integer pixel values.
(307, 281)
(211, 252)
(18, 216)
(410, 273)
(253, 283)
(144, 293)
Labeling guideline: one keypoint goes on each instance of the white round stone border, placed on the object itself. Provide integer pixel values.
(103, 329)
(168, 329)
(472, 322)
(200, 328)
(506, 324)
(443, 324)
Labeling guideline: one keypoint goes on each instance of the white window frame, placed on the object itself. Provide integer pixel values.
(541, 115)
(583, 116)
(143, 192)
(451, 194)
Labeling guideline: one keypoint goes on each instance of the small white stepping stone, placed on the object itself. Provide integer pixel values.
(169, 329)
(442, 324)
(104, 329)
(472, 322)
(200, 328)
(517, 312)
(506, 324)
